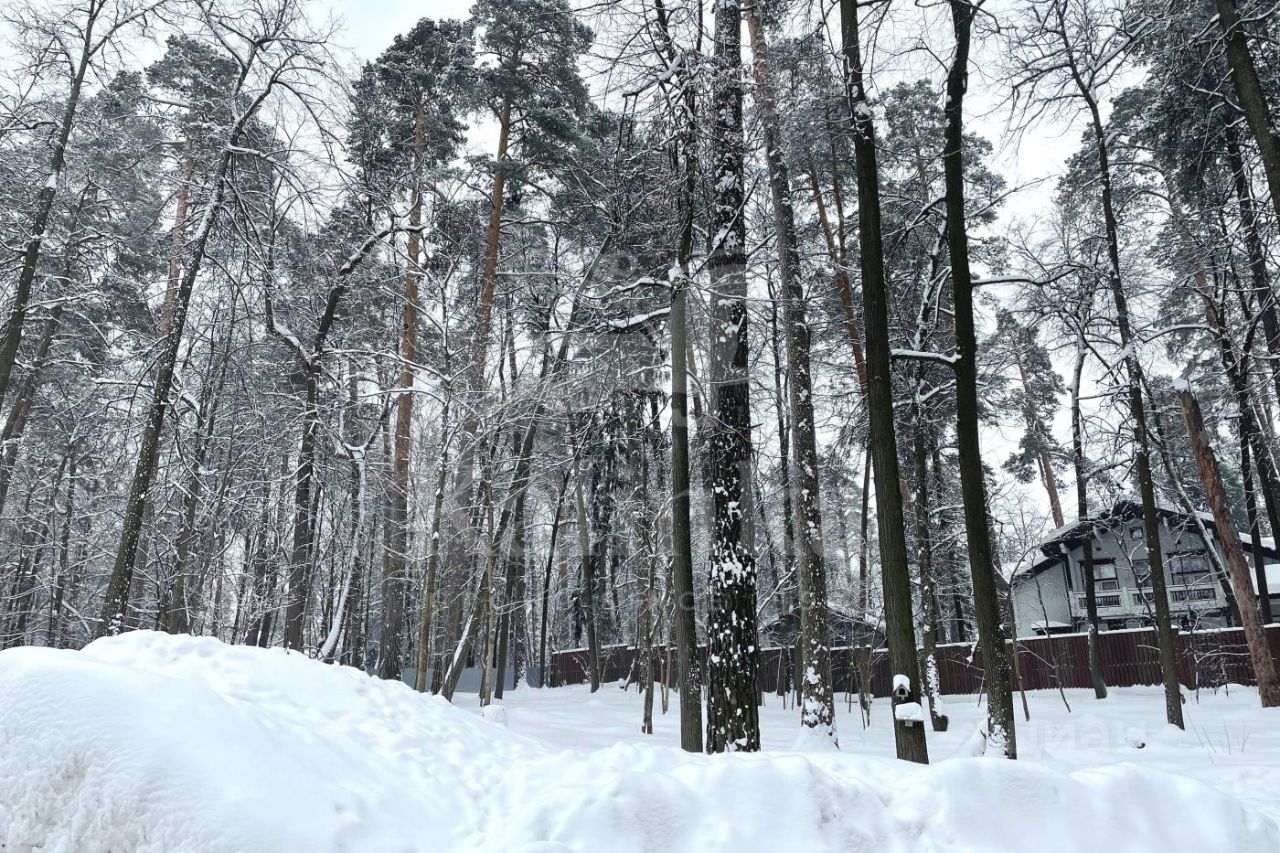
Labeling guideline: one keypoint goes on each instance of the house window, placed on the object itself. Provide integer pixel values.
(1104, 577)
(1187, 566)
(1135, 533)
(1142, 571)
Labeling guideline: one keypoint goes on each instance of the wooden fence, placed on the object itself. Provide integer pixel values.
(1205, 658)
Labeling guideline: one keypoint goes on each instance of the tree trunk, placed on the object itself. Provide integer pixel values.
(1255, 537)
(15, 424)
(1263, 664)
(1045, 462)
(587, 591)
(844, 289)
(116, 600)
(1137, 414)
(425, 633)
(175, 613)
(1235, 364)
(685, 166)
(686, 636)
(986, 606)
(303, 521)
(546, 582)
(1264, 298)
(928, 583)
(397, 532)
(899, 630)
(483, 614)
(733, 722)
(1082, 513)
(817, 698)
(12, 339)
(1253, 100)
(784, 465)
(475, 370)
(63, 580)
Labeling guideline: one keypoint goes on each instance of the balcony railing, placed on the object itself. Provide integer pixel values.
(1138, 599)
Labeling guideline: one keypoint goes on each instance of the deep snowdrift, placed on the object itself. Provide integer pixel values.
(149, 742)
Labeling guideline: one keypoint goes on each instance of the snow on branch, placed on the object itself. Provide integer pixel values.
(920, 355)
(638, 320)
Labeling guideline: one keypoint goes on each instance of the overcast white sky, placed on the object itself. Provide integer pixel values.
(371, 24)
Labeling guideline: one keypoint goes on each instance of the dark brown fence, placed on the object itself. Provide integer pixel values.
(1205, 658)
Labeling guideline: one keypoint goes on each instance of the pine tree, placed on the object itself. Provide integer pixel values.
(424, 77)
(817, 701)
(733, 721)
(995, 661)
(908, 735)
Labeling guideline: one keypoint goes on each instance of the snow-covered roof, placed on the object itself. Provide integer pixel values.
(1273, 578)
(1124, 508)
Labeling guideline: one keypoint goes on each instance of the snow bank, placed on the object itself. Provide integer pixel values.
(149, 742)
(154, 743)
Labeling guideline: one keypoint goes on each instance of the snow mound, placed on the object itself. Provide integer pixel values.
(149, 742)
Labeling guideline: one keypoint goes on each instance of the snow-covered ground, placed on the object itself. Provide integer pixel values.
(1230, 742)
(154, 743)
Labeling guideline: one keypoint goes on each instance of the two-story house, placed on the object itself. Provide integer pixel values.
(1048, 596)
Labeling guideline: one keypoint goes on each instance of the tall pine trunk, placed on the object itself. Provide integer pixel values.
(733, 721)
(928, 577)
(685, 629)
(986, 605)
(1253, 99)
(1137, 414)
(397, 532)
(816, 692)
(1210, 476)
(1082, 513)
(909, 736)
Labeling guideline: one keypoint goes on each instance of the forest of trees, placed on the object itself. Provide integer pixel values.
(670, 324)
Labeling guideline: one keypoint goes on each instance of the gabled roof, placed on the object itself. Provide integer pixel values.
(1061, 539)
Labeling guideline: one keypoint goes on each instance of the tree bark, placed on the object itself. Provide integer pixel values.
(928, 581)
(175, 611)
(1253, 100)
(1082, 513)
(1137, 407)
(686, 636)
(1263, 664)
(1037, 428)
(995, 660)
(425, 632)
(1264, 298)
(397, 532)
(733, 722)
(546, 582)
(12, 339)
(817, 697)
(116, 603)
(587, 591)
(900, 632)
(15, 424)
